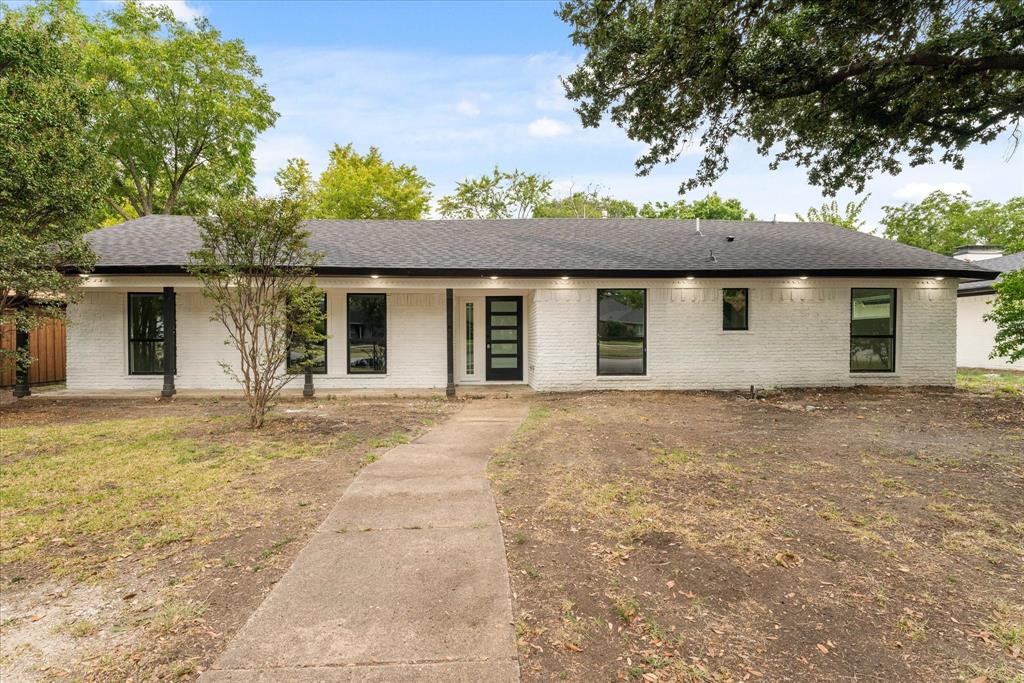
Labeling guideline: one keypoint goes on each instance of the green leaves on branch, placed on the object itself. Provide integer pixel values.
(356, 186)
(178, 110)
(830, 212)
(942, 222)
(1008, 315)
(49, 170)
(816, 83)
(710, 207)
(498, 195)
(257, 271)
(586, 204)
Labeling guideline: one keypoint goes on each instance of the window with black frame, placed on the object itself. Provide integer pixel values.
(367, 319)
(297, 351)
(873, 330)
(145, 333)
(735, 309)
(621, 331)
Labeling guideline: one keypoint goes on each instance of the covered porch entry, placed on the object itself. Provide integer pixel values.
(489, 335)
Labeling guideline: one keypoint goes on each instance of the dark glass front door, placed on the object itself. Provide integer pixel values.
(504, 338)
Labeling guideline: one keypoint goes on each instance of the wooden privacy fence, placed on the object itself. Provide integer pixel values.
(47, 345)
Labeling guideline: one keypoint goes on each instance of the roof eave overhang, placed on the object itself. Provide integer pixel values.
(578, 272)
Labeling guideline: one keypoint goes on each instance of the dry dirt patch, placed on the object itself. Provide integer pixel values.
(137, 536)
(840, 535)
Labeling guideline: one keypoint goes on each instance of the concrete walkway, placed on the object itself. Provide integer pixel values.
(405, 580)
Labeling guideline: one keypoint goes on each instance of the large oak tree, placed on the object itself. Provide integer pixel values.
(846, 89)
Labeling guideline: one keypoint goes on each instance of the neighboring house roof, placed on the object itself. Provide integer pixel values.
(1003, 264)
(597, 247)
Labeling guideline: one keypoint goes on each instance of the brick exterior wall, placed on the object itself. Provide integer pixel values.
(798, 336)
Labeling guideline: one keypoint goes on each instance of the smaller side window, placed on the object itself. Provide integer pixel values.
(735, 309)
(297, 351)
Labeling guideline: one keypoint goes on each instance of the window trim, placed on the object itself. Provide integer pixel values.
(746, 315)
(348, 338)
(893, 314)
(327, 368)
(147, 340)
(597, 334)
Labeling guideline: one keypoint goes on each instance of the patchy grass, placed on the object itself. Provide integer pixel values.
(1007, 382)
(138, 536)
(118, 486)
(707, 537)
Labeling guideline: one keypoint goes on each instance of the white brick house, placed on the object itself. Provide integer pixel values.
(975, 336)
(732, 305)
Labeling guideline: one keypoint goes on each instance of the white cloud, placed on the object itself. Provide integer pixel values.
(182, 10)
(467, 108)
(918, 190)
(547, 128)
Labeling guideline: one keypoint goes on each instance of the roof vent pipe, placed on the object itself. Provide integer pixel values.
(698, 228)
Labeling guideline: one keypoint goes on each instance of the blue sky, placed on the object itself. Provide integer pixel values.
(457, 87)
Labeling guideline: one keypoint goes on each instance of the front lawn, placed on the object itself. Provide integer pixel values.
(1009, 382)
(137, 536)
(811, 536)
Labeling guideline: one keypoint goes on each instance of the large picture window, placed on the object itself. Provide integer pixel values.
(873, 330)
(735, 309)
(297, 352)
(367, 334)
(145, 333)
(621, 331)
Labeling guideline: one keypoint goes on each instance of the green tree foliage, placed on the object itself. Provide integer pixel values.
(710, 207)
(942, 222)
(831, 213)
(498, 195)
(586, 204)
(1008, 315)
(846, 90)
(178, 111)
(49, 168)
(297, 184)
(257, 270)
(356, 186)
(366, 186)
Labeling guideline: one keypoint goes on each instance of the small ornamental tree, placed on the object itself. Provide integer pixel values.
(1008, 315)
(256, 269)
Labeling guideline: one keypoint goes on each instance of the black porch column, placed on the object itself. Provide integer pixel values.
(170, 343)
(307, 385)
(450, 304)
(21, 389)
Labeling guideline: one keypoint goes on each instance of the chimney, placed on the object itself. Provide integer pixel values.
(977, 252)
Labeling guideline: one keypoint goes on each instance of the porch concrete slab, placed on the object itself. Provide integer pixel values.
(405, 580)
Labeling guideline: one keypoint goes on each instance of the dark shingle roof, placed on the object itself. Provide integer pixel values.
(552, 246)
(1004, 264)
